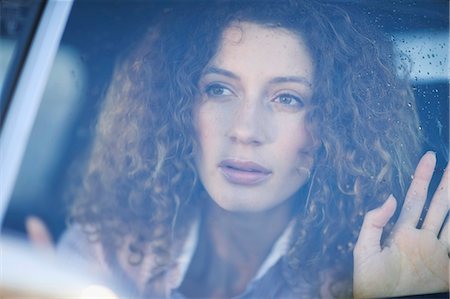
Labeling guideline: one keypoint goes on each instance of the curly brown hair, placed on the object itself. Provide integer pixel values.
(141, 181)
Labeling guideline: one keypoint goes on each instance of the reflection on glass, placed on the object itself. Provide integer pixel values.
(234, 149)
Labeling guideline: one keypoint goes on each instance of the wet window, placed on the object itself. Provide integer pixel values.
(168, 126)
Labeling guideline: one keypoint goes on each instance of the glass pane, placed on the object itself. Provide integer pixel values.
(249, 136)
(16, 27)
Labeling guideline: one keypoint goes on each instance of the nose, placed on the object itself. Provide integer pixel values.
(248, 125)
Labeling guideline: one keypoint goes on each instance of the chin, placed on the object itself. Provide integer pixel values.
(243, 205)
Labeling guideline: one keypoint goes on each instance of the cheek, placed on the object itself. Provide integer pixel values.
(307, 144)
(306, 150)
(305, 138)
(211, 120)
(299, 147)
(207, 128)
(200, 124)
(295, 135)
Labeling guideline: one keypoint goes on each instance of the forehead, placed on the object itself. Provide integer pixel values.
(240, 31)
(263, 48)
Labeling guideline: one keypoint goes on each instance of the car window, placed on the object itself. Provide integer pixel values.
(84, 64)
(97, 39)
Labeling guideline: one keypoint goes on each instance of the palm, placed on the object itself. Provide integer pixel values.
(413, 261)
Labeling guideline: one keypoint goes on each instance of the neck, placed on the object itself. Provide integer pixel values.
(245, 236)
(231, 248)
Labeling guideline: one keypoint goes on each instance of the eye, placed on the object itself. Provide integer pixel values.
(217, 90)
(289, 100)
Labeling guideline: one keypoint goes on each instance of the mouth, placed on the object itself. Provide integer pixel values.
(243, 172)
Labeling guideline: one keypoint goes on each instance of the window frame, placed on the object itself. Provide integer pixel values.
(26, 95)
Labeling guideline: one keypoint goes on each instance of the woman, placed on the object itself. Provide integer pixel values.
(240, 148)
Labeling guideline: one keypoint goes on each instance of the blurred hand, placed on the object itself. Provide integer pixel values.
(413, 260)
(38, 233)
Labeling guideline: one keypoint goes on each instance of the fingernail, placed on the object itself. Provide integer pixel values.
(431, 154)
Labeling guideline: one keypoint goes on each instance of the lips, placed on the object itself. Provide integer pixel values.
(243, 172)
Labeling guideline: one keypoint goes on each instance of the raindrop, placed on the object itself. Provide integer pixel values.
(409, 105)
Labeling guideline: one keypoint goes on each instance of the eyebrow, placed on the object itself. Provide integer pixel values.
(287, 79)
(276, 80)
(216, 70)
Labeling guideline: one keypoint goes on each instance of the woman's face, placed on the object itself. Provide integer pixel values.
(254, 150)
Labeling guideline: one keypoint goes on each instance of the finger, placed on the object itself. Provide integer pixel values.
(370, 235)
(417, 192)
(38, 233)
(439, 205)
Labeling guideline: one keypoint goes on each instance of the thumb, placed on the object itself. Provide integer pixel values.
(38, 233)
(372, 228)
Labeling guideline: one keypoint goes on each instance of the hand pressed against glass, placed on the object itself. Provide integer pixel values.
(255, 151)
(414, 261)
